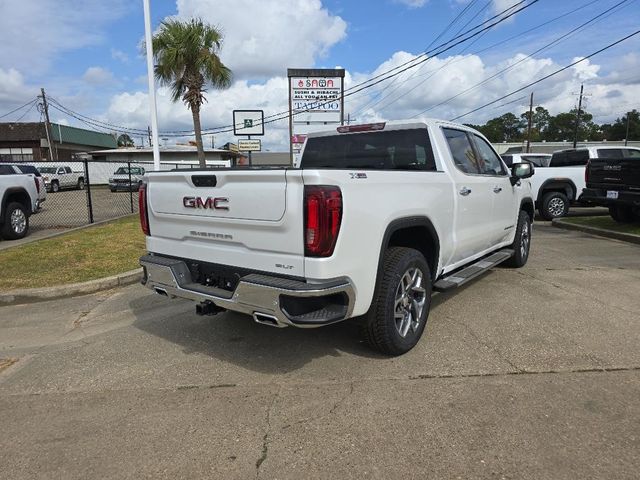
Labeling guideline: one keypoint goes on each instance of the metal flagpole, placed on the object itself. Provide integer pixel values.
(152, 86)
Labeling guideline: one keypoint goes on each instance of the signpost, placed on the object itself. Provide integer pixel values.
(316, 97)
(248, 122)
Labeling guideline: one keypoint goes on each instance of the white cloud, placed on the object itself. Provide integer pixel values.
(119, 55)
(32, 32)
(13, 89)
(263, 39)
(98, 76)
(585, 70)
(412, 3)
(436, 81)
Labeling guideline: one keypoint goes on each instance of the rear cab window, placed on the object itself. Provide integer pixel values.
(507, 159)
(570, 158)
(405, 149)
(610, 153)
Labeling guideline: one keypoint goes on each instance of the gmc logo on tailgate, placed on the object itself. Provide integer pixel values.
(217, 203)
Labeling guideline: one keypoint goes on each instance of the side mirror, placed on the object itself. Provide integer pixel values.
(520, 171)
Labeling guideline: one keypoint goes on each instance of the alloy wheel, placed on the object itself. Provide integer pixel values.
(556, 207)
(409, 301)
(18, 221)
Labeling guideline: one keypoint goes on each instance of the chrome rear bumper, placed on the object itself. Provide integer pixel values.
(262, 296)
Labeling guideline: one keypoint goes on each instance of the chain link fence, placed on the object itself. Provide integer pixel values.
(84, 192)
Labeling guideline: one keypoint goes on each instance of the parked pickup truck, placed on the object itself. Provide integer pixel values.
(376, 217)
(18, 200)
(613, 180)
(558, 186)
(57, 178)
(126, 178)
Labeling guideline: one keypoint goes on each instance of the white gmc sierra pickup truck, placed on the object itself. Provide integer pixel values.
(376, 217)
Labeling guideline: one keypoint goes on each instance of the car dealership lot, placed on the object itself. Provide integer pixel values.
(531, 373)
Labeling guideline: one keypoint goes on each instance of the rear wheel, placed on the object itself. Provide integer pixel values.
(621, 213)
(16, 222)
(522, 242)
(55, 187)
(401, 302)
(80, 184)
(554, 205)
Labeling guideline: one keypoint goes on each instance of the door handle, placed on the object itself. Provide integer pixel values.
(465, 191)
(497, 189)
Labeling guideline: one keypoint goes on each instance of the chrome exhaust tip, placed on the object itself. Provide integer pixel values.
(266, 319)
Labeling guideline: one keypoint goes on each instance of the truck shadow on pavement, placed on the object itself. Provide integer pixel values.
(237, 339)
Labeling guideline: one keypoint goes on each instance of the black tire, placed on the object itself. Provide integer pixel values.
(55, 187)
(622, 213)
(382, 329)
(16, 222)
(521, 243)
(80, 184)
(554, 205)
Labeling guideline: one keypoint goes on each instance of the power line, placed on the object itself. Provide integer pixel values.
(545, 47)
(33, 104)
(30, 102)
(548, 76)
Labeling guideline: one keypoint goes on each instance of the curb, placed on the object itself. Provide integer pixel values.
(601, 232)
(30, 295)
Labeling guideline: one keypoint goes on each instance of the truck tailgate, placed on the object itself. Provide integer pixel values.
(250, 219)
(618, 173)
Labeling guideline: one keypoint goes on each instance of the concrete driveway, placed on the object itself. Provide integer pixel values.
(524, 374)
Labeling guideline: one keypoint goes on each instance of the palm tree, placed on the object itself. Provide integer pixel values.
(186, 59)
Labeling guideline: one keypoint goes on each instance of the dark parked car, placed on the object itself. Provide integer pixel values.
(613, 180)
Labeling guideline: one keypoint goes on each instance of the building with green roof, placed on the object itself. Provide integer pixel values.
(28, 141)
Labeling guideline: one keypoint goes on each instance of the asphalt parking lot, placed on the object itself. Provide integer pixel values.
(523, 374)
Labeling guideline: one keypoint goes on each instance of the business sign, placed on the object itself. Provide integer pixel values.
(249, 145)
(316, 99)
(248, 122)
(316, 95)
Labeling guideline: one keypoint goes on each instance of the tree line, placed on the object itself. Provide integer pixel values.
(558, 128)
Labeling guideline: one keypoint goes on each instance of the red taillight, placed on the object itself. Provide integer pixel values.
(35, 179)
(322, 217)
(142, 208)
(366, 127)
(586, 172)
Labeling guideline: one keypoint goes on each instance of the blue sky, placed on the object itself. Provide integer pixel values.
(87, 56)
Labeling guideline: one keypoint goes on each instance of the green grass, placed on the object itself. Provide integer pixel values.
(87, 254)
(606, 223)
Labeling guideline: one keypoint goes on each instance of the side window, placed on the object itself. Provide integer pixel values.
(67, 169)
(463, 154)
(60, 171)
(490, 163)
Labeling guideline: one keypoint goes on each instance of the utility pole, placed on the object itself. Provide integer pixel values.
(575, 137)
(529, 125)
(149, 133)
(47, 125)
(626, 137)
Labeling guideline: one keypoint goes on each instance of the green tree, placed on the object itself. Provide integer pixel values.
(539, 123)
(506, 128)
(186, 57)
(618, 129)
(562, 127)
(125, 140)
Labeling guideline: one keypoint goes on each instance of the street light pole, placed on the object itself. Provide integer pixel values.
(152, 86)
